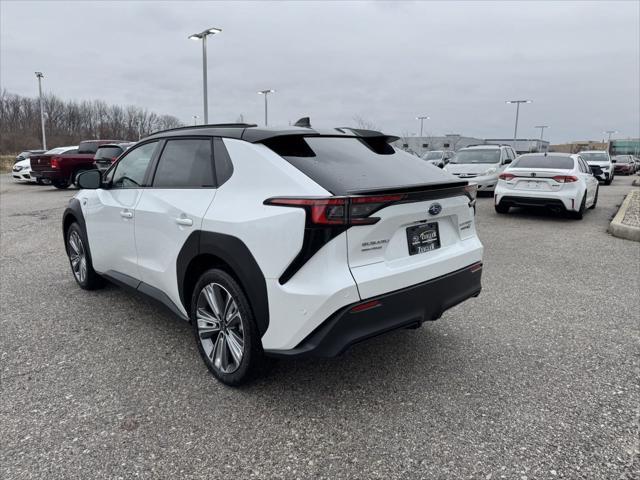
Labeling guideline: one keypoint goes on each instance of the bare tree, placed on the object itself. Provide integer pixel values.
(364, 123)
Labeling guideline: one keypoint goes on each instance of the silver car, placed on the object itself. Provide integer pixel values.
(481, 164)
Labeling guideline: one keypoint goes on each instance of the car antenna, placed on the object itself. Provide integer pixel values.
(303, 122)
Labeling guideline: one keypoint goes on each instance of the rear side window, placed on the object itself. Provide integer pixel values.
(544, 161)
(87, 147)
(347, 164)
(108, 152)
(224, 167)
(185, 163)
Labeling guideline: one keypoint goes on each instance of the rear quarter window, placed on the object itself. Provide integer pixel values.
(87, 147)
(346, 164)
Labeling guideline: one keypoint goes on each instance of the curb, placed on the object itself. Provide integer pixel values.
(619, 229)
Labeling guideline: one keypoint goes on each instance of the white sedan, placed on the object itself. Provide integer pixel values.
(558, 181)
(21, 171)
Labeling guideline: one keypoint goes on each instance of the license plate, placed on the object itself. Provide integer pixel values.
(423, 238)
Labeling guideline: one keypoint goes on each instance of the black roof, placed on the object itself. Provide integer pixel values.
(254, 134)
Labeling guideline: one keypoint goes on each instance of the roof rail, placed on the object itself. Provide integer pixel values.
(209, 125)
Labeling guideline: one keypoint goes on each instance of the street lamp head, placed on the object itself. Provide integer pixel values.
(264, 92)
(39, 75)
(423, 117)
(201, 35)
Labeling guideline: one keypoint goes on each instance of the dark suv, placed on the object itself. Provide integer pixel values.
(107, 154)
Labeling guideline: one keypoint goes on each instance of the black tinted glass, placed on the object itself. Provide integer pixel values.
(87, 147)
(185, 163)
(224, 167)
(542, 161)
(130, 170)
(342, 165)
(108, 152)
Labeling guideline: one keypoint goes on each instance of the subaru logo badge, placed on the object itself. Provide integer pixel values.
(435, 208)
(533, 174)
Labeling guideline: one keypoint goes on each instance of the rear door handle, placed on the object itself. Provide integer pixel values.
(187, 222)
(126, 214)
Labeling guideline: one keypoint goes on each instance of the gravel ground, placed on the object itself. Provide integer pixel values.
(632, 215)
(536, 378)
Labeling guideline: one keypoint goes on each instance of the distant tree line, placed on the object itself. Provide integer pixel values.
(69, 122)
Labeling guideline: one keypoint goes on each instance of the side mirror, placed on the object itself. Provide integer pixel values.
(613, 161)
(596, 170)
(90, 180)
(507, 161)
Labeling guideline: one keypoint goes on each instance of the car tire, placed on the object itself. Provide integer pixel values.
(39, 181)
(580, 213)
(60, 184)
(225, 329)
(80, 259)
(500, 208)
(595, 200)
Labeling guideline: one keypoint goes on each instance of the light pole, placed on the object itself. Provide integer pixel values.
(422, 118)
(266, 94)
(542, 127)
(40, 76)
(203, 36)
(515, 131)
(195, 119)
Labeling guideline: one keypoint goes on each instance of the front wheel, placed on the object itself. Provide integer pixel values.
(226, 333)
(80, 259)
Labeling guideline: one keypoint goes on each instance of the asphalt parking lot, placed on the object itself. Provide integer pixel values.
(536, 378)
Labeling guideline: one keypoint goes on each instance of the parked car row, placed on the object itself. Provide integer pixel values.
(626, 164)
(61, 166)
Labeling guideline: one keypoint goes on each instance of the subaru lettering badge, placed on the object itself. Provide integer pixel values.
(435, 208)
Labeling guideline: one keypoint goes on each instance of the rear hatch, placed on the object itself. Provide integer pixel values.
(406, 222)
(106, 155)
(41, 162)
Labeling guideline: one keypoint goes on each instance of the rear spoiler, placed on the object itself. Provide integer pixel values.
(430, 191)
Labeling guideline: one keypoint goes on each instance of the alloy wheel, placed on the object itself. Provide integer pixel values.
(220, 327)
(78, 257)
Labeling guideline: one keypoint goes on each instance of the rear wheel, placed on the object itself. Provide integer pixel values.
(500, 208)
(595, 200)
(80, 260)
(61, 184)
(580, 213)
(225, 329)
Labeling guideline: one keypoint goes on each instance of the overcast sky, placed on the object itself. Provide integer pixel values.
(386, 62)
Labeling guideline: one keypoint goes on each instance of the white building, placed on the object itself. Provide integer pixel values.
(452, 141)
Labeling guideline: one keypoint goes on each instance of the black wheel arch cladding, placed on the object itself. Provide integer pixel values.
(234, 253)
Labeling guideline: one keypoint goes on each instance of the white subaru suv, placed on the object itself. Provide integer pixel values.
(277, 243)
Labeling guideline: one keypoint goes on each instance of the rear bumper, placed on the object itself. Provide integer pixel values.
(400, 309)
(542, 201)
(48, 175)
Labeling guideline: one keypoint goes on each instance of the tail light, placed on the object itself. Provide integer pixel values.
(55, 162)
(506, 176)
(343, 211)
(565, 178)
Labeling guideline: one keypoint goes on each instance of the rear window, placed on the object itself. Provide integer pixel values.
(595, 156)
(343, 165)
(108, 152)
(544, 161)
(87, 147)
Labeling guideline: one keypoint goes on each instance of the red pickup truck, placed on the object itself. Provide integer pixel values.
(62, 170)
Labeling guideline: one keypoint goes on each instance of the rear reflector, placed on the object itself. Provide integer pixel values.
(366, 306)
(476, 267)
